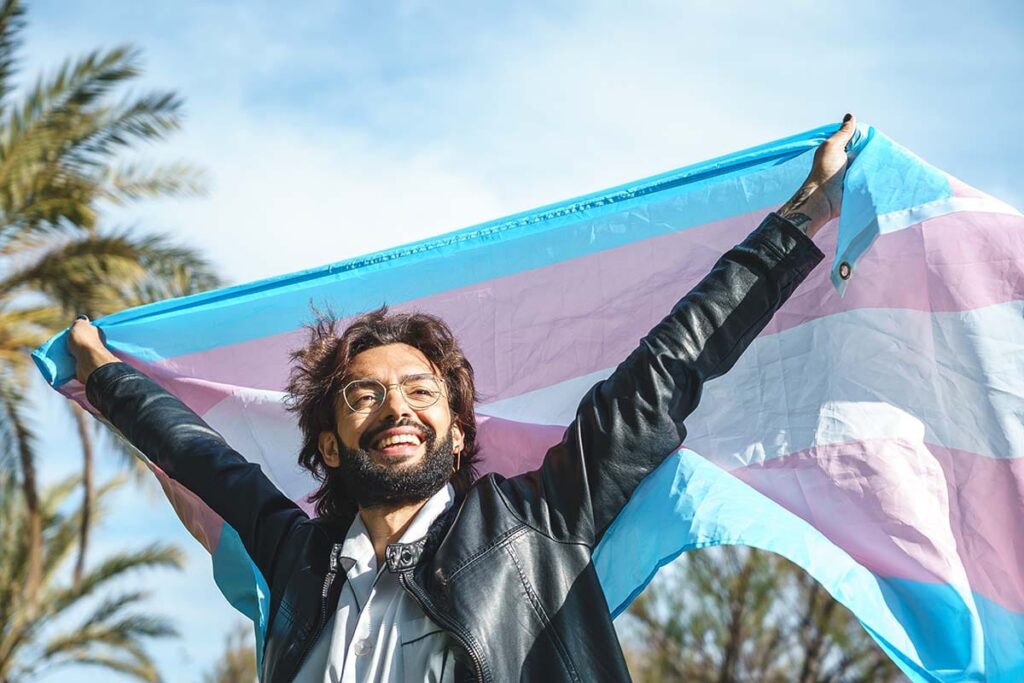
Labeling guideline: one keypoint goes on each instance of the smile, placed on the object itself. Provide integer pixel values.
(397, 440)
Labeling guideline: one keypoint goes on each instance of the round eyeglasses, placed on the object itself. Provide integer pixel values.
(368, 395)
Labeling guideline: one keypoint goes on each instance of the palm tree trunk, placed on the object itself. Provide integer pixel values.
(33, 516)
(87, 490)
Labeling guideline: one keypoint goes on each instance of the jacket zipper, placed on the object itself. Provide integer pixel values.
(332, 573)
(460, 634)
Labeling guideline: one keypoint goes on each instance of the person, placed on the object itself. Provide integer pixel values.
(411, 570)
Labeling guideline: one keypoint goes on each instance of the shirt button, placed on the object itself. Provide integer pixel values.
(363, 647)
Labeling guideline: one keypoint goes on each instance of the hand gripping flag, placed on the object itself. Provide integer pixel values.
(873, 434)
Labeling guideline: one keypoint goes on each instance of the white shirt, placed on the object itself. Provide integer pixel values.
(379, 634)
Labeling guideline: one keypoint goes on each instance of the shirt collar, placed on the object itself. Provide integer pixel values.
(357, 554)
(431, 510)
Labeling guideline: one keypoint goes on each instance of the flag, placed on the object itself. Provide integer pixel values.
(873, 433)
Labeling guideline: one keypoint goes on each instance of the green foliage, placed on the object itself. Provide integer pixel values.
(62, 156)
(88, 623)
(66, 152)
(238, 663)
(735, 614)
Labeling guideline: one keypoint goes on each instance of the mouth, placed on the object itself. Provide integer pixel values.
(397, 443)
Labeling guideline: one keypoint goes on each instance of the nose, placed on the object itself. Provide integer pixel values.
(395, 406)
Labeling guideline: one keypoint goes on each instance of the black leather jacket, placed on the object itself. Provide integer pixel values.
(507, 570)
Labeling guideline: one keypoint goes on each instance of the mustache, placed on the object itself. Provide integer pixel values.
(426, 433)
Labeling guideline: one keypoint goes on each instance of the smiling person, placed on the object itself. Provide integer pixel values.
(412, 570)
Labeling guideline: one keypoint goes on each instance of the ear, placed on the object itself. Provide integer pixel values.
(329, 449)
(458, 438)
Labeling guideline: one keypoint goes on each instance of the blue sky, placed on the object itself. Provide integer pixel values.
(328, 129)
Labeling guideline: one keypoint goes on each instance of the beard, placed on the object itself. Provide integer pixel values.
(371, 484)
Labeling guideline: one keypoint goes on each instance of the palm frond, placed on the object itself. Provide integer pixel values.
(46, 198)
(52, 114)
(117, 633)
(111, 606)
(97, 134)
(154, 555)
(75, 85)
(134, 181)
(12, 21)
(142, 670)
(57, 149)
(98, 274)
(21, 331)
(114, 630)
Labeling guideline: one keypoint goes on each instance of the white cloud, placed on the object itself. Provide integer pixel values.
(386, 127)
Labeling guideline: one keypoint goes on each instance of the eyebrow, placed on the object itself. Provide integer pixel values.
(401, 379)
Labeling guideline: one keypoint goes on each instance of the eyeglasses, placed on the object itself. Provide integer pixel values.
(368, 395)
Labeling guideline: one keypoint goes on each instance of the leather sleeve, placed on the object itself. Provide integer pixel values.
(189, 451)
(628, 424)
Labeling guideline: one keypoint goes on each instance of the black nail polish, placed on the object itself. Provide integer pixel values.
(847, 118)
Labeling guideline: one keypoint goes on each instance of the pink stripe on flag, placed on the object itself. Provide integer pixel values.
(962, 189)
(910, 510)
(510, 321)
(505, 318)
(202, 522)
(510, 448)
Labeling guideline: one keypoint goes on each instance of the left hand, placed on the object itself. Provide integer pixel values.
(818, 200)
(86, 344)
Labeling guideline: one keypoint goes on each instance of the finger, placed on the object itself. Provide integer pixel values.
(846, 130)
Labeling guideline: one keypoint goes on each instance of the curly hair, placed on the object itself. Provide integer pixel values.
(319, 371)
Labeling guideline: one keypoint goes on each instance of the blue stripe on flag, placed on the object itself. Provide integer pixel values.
(930, 630)
(629, 213)
(242, 584)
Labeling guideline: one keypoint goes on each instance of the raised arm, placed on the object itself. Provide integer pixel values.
(177, 441)
(628, 424)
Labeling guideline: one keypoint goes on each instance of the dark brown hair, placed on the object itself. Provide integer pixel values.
(319, 371)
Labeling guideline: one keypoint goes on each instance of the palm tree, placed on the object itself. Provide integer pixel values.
(63, 146)
(730, 614)
(112, 627)
(238, 663)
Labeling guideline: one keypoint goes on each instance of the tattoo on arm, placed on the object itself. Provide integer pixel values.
(791, 209)
(800, 220)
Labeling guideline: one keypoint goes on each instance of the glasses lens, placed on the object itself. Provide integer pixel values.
(421, 391)
(365, 395)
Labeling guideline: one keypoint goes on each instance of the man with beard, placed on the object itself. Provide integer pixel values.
(411, 570)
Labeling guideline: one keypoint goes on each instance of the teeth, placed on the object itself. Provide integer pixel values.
(399, 439)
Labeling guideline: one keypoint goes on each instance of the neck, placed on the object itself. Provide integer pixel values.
(387, 524)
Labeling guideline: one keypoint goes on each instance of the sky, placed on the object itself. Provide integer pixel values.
(330, 129)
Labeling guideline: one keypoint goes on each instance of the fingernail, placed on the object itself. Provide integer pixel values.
(82, 316)
(847, 118)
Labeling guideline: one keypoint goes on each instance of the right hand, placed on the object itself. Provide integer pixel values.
(86, 345)
(818, 200)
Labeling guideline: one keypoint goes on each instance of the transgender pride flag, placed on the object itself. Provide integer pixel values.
(872, 434)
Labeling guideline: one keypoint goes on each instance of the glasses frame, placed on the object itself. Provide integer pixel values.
(387, 388)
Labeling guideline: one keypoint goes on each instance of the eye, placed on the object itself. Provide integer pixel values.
(422, 391)
(364, 396)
